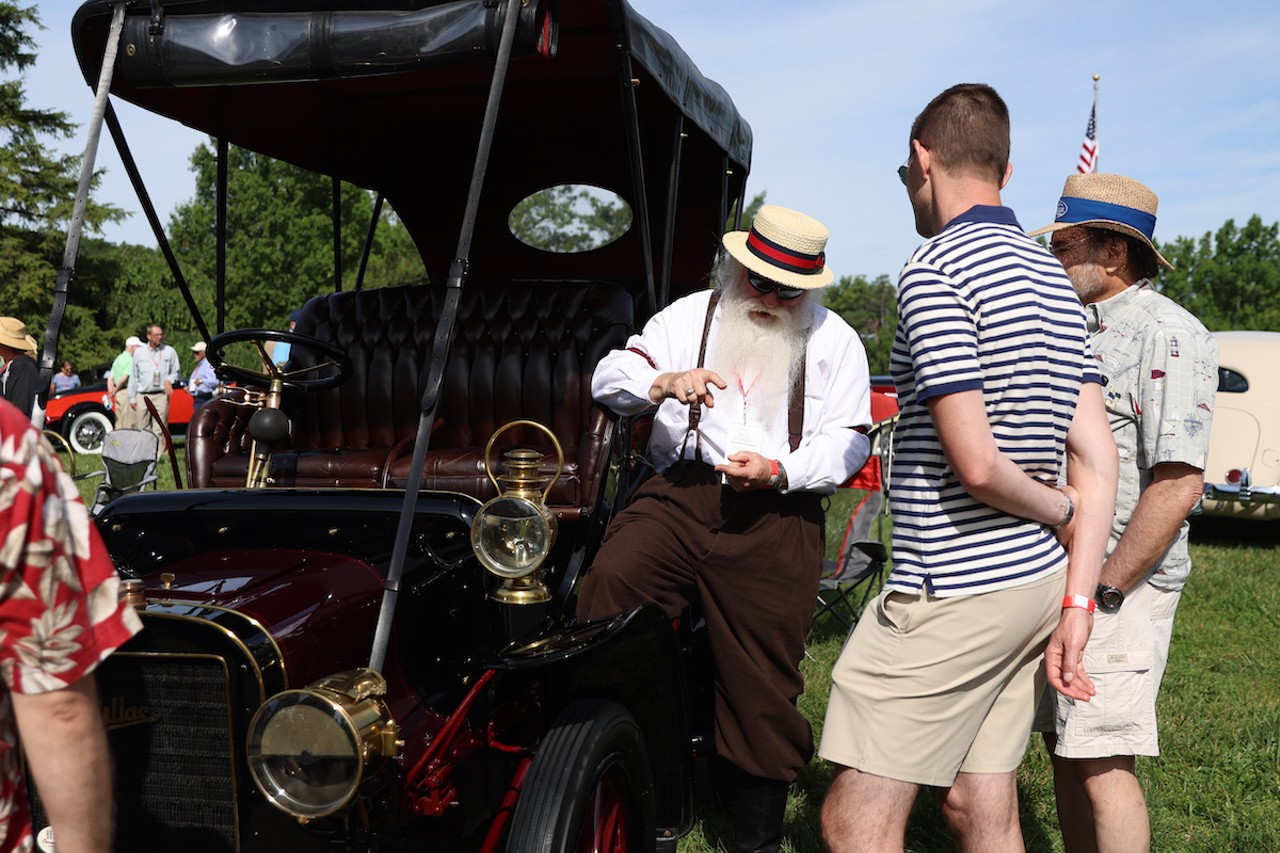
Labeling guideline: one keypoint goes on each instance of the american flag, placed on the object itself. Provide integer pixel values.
(1088, 162)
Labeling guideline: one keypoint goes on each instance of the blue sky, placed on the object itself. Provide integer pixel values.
(1189, 104)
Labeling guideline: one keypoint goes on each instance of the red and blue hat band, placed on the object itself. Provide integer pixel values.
(780, 256)
(1075, 210)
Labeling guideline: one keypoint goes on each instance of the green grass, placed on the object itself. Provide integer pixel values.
(1216, 785)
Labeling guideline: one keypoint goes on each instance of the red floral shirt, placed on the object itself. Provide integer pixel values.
(60, 608)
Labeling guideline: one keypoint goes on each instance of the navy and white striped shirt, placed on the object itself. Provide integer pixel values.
(981, 306)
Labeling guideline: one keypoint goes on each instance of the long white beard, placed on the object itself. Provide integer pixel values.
(759, 359)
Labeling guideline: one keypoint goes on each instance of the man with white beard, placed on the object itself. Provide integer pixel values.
(763, 403)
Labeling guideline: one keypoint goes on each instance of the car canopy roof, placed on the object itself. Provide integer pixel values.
(392, 98)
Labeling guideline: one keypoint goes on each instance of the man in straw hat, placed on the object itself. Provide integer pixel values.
(763, 402)
(938, 683)
(19, 377)
(1160, 368)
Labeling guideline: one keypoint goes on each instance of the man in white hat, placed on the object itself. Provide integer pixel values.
(118, 380)
(19, 377)
(202, 382)
(763, 402)
(937, 685)
(1160, 368)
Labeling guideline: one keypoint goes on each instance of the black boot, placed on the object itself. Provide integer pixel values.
(759, 814)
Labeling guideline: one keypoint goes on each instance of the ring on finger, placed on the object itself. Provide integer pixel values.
(689, 392)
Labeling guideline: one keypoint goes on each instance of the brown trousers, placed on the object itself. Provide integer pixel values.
(752, 561)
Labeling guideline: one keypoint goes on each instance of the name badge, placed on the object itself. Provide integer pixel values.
(748, 436)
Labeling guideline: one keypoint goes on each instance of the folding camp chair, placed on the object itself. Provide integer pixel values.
(128, 465)
(849, 581)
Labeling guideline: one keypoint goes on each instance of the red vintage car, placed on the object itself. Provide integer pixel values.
(84, 416)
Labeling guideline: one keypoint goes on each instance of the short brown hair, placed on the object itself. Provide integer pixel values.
(966, 128)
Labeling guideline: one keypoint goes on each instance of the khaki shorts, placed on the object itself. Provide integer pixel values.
(927, 687)
(1126, 658)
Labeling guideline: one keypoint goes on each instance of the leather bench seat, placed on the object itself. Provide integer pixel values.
(521, 350)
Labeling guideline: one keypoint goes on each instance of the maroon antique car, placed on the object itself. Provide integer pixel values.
(360, 629)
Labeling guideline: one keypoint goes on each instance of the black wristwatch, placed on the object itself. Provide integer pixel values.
(1109, 598)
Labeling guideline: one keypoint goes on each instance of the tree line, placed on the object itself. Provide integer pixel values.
(280, 243)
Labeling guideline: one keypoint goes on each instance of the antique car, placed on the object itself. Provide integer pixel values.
(1242, 474)
(84, 415)
(359, 624)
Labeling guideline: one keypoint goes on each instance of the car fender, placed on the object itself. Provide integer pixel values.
(633, 659)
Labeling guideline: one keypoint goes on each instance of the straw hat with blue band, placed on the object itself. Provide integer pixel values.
(785, 246)
(1113, 202)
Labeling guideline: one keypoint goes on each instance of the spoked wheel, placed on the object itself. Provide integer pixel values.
(590, 787)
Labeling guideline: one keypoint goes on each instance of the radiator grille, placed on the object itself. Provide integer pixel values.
(169, 725)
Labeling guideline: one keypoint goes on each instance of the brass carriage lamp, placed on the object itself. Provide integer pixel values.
(513, 533)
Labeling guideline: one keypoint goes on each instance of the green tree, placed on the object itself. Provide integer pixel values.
(871, 308)
(569, 218)
(37, 189)
(748, 213)
(279, 238)
(1231, 279)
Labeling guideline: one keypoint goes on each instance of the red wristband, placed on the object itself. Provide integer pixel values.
(773, 467)
(1077, 600)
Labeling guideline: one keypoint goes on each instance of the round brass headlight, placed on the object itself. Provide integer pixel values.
(309, 750)
(512, 535)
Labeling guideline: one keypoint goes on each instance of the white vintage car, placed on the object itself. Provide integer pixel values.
(1242, 475)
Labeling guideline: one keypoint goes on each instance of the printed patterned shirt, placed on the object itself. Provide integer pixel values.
(981, 306)
(60, 609)
(1160, 369)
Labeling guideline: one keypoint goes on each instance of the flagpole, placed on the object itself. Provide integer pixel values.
(1096, 78)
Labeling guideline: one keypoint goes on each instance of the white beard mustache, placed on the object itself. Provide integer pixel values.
(762, 358)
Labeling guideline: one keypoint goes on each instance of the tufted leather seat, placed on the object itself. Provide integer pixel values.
(522, 350)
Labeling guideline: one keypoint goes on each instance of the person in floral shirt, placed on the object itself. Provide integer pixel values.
(60, 615)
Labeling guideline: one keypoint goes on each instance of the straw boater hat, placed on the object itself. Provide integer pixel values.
(785, 246)
(13, 334)
(1113, 202)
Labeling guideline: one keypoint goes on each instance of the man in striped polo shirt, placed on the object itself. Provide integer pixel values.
(996, 382)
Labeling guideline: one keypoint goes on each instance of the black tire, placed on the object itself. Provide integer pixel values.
(87, 430)
(590, 787)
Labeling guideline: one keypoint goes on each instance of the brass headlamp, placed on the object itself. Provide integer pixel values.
(310, 750)
(513, 533)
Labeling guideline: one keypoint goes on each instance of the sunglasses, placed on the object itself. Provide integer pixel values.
(766, 285)
(1061, 248)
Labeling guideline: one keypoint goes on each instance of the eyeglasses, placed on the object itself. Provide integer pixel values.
(906, 167)
(1060, 249)
(766, 285)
